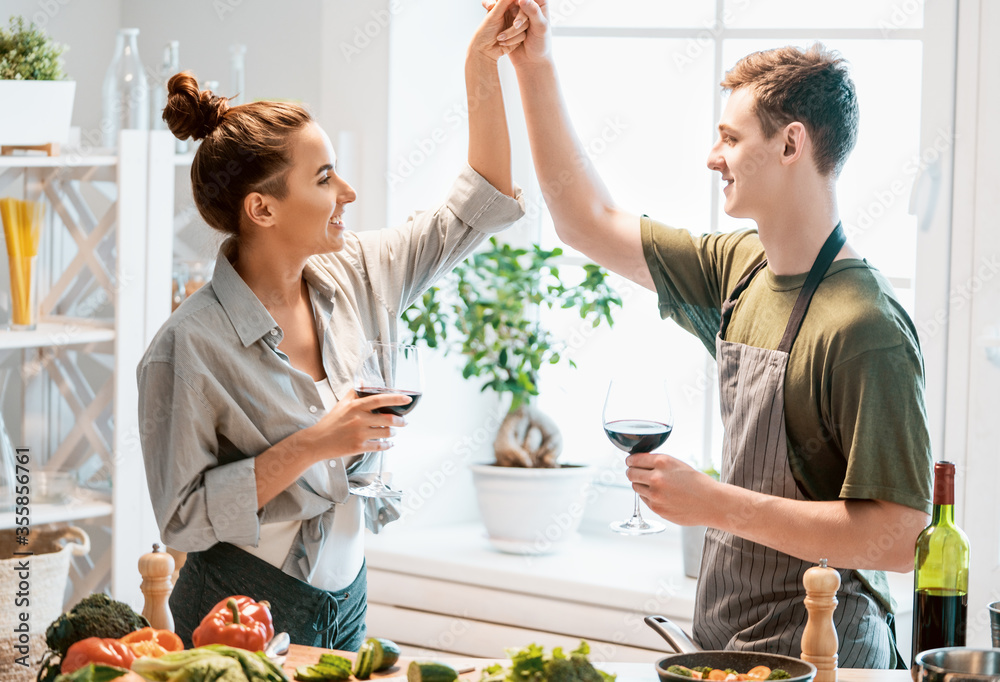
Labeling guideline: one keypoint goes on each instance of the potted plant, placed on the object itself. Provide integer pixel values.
(38, 100)
(488, 309)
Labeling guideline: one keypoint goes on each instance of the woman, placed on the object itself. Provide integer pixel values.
(250, 429)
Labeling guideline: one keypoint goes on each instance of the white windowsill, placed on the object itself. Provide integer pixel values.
(601, 570)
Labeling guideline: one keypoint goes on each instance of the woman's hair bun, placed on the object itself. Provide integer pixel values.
(191, 112)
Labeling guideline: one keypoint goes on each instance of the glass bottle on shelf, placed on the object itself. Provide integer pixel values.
(158, 89)
(237, 71)
(125, 95)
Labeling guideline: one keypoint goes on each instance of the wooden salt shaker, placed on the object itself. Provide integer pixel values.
(819, 640)
(156, 569)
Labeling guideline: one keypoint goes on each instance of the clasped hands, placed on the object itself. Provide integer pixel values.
(506, 28)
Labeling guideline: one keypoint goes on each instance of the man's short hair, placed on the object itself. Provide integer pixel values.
(809, 86)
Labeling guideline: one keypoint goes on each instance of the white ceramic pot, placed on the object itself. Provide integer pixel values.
(531, 511)
(35, 112)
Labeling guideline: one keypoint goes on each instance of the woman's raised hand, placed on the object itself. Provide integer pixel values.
(503, 19)
(533, 32)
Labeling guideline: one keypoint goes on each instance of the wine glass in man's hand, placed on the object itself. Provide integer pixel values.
(637, 418)
(389, 368)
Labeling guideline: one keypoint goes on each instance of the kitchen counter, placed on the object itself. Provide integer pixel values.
(627, 672)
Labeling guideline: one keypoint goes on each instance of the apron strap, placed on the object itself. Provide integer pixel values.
(730, 302)
(834, 243)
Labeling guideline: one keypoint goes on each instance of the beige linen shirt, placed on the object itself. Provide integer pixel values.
(215, 391)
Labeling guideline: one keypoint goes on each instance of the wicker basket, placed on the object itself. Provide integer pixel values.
(48, 571)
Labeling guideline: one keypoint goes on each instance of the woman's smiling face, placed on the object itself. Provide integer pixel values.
(311, 212)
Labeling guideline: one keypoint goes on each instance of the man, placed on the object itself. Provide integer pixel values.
(826, 452)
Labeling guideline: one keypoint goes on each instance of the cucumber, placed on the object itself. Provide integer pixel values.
(322, 673)
(386, 653)
(430, 671)
(335, 661)
(363, 663)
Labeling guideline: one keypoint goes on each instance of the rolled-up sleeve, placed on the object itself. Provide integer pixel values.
(480, 205)
(197, 501)
(404, 261)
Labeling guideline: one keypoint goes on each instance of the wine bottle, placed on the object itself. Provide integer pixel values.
(941, 572)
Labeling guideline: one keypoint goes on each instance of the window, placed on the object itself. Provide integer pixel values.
(641, 80)
(645, 103)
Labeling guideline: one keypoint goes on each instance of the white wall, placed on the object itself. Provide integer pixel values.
(283, 53)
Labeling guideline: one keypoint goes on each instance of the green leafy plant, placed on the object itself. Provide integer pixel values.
(488, 310)
(26, 53)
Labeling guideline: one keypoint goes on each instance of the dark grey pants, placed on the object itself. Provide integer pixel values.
(311, 616)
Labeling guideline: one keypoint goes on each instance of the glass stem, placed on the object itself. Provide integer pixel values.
(635, 511)
(381, 459)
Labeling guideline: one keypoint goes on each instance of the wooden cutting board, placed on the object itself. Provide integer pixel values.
(308, 655)
(627, 672)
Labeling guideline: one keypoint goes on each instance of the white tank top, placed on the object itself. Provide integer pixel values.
(343, 552)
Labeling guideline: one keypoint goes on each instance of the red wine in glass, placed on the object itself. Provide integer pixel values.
(637, 435)
(388, 368)
(398, 410)
(637, 418)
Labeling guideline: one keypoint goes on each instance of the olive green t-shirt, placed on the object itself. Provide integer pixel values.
(854, 387)
(855, 418)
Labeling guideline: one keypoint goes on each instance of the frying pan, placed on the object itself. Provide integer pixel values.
(691, 656)
(954, 664)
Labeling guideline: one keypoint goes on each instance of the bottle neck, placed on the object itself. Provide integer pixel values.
(944, 515)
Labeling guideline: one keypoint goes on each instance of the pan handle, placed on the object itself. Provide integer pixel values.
(669, 631)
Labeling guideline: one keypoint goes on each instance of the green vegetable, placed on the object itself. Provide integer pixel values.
(256, 666)
(364, 661)
(322, 673)
(680, 670)
(93, 672)
(330, 668)
(94, 616)
(532, 665)
(430, 671)
(212, 663)
(386, 653)
(779, 674)
(336, 661)
(210, 669)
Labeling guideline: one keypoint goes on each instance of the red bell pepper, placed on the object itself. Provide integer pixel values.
(237, 621)
(97, 650)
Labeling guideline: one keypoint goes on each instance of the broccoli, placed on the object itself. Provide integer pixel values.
(779, 674)
(97, 615)
(573, 669)
(680, 670)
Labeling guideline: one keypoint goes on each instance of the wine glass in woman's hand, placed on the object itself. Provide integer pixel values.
(637, 418)
(389, 368)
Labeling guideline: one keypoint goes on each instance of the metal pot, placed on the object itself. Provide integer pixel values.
(690, 656)
(955, 664)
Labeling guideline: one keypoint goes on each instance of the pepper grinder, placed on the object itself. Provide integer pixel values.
(156, 569)
(819, 640)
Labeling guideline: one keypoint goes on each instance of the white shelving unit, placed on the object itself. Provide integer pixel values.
(106, 264)
(74, 510)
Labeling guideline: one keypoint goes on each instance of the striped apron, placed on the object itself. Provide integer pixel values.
(750, 597)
